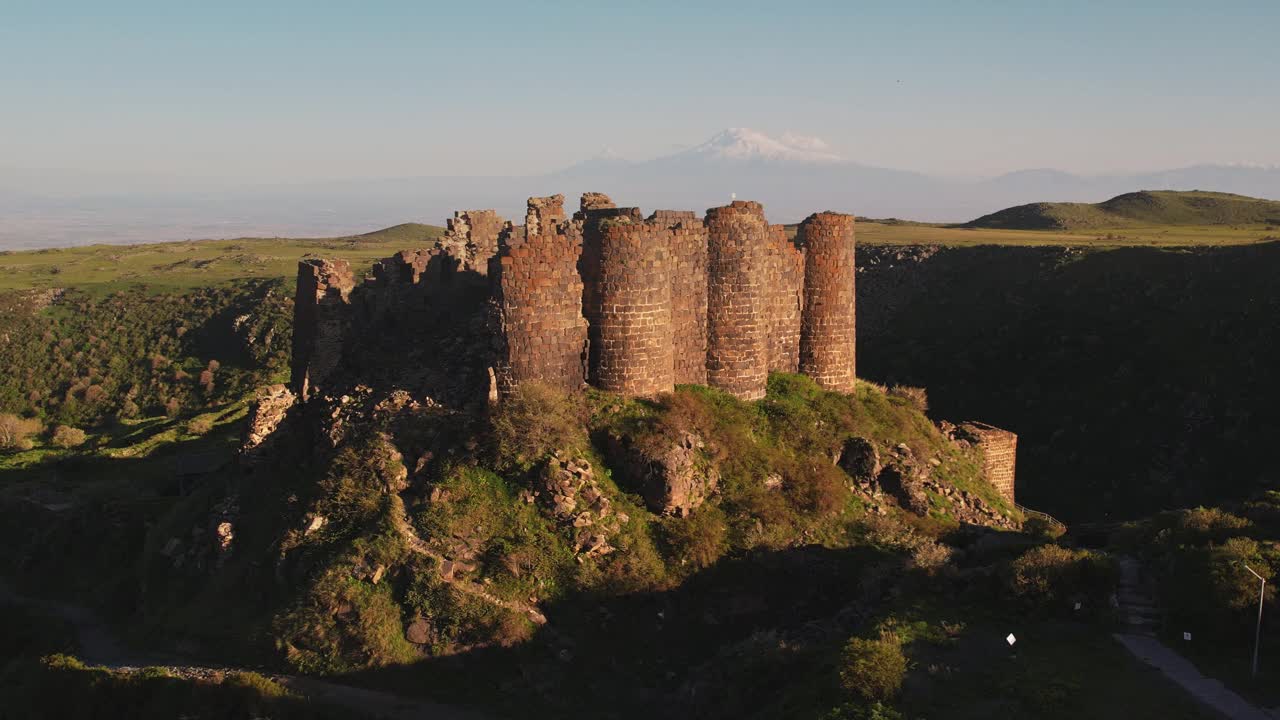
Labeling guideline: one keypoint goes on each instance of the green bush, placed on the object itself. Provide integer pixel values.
(1208, 588)
(533, 422)
(873, 670)
(1050, 575)
(698, 540)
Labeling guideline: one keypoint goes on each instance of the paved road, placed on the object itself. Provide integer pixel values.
(1207, 690)
(99, 646)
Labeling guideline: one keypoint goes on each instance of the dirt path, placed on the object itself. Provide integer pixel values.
(100, 647)
(476, 590)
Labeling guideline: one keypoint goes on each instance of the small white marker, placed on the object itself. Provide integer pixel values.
(1077, 606)
(1011, 639)
(1186, 636)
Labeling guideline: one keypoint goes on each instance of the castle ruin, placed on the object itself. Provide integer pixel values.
(611, 298)
(606, 298)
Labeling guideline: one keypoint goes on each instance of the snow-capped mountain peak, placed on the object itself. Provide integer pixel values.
(746, 144)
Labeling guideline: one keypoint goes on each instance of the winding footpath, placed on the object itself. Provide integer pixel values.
(1142, 617)
(100, 647)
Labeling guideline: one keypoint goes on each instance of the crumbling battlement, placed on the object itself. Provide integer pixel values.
(608, 297)
(471, 238)
(322, 316)
(538, 290)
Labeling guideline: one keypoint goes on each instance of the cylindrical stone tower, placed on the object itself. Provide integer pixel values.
(540, 296)
(737, 304)
(634, 317)
(827, 338)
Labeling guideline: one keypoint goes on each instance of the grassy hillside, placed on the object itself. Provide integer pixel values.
(183, 266)
(1145, 208)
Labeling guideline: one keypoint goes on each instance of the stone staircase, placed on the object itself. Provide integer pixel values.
(1135, 599)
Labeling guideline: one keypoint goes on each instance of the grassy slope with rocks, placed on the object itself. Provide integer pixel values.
(1144, 208)
(743, 608)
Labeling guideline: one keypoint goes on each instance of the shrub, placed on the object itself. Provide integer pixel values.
(916, 397)
(65, 436)
(172, 407)
(1209, 588)
(698, 540)
(873, 670)
(1051, 574)
(1042, 528)
(16, 432)
(200, 425)
(535, 421)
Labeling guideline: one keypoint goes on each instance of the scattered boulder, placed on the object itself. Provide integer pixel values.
(906, 485)
(568, 491)
(674, 479)
(860, 459)
(418, 632)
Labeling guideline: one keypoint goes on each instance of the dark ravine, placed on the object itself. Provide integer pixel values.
(100, 646)
(1137, 379)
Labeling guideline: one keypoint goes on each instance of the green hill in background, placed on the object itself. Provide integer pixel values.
(183, 266)
(1146, 207)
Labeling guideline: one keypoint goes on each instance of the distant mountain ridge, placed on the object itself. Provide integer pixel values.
(792, 174)
(1146, 207)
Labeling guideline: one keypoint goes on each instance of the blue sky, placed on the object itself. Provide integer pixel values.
(298, 91)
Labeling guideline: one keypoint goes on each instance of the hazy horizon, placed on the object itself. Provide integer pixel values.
(296, 93)
(142, 121)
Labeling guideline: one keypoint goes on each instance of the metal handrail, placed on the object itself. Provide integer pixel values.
(1042, 515)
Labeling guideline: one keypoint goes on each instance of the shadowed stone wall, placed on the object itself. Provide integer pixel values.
(322, 318)
(688, 294)
(737, 306)
(785, 287)
(827, 330)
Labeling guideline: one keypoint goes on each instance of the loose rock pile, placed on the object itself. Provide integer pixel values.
(568, 490)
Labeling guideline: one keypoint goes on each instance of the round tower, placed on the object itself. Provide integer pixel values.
(827, 337)
(737, 304)
(635, 353)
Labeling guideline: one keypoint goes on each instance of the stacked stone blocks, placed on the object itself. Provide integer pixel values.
(999, 454)
(737, 306)
(607, 297)
(540, 296)
(322, 318)
(785, 286)
(827, 330)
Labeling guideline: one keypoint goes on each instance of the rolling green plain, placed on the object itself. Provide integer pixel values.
(200, 263)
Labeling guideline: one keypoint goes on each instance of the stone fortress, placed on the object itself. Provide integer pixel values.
(606, 297)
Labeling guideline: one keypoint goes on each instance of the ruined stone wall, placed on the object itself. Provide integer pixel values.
(999, 454)
(688, 294)
(322, 319)
(785, 286)
(471, 237)
(737, 302)
(605, 297)
(631, 328)
(539, 293)
(827, 330)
